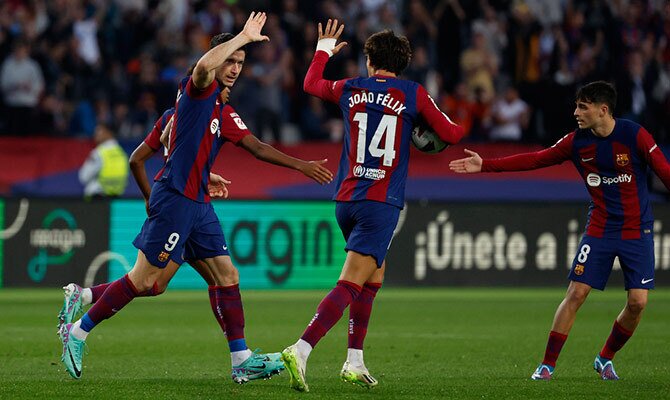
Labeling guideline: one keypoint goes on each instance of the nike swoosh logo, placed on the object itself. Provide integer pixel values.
(74, 365)
(587, 159)
(645, 281)
(261, 366)
(225, 247)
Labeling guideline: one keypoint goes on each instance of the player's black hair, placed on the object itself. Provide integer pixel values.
(598, 92)
(223, 38)
(388, 52)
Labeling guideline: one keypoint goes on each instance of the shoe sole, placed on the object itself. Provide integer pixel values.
(291, 365)
(266, 375)
(352, 378)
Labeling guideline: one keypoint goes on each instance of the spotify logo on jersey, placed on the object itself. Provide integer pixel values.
(593, 179)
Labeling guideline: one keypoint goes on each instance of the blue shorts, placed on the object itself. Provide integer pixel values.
(595, 257)
(367, 226)
(179, 228)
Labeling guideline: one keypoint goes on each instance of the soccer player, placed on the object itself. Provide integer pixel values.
(379, 114)
(613, 157)
(179, 209)
(77, 297)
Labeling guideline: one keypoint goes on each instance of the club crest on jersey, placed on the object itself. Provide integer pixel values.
(214, 127)
(579, 269)
(622, 160)
(163, 256)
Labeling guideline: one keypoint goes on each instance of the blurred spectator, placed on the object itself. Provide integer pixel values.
(105, 171)
(510, 117)
(133, 53)
(22, 84)
(632, 89)
(479, 66)
(459, 107)
(268, 73)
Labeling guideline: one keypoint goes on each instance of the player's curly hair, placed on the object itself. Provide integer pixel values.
(598, 92)
(387, 51)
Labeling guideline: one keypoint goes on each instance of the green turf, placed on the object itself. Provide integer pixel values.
(428, 343)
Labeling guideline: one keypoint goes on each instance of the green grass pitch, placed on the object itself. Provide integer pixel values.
(422, 344)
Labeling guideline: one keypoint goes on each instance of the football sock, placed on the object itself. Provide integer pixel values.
(118, 294)
(355, 357)
(218, 314)
(97, 291)
(618, 337)
(238, 357)
(554, 346)
(86, 296)
(229, 305)
(304, 349)
(330, 311)
(77, 332)
(359, 315)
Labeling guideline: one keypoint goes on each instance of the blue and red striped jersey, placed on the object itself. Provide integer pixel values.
(379, 114)
(202, 124)
(614, 169)
(153, 139)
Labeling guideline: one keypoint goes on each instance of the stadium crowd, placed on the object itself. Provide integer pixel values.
(506, 70)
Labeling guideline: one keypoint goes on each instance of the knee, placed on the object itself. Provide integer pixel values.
(636, 306)
(577, 297)
(142, 283)
(159, 288)
(231, 276)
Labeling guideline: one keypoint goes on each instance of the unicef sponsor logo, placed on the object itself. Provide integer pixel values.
(359, 171)
(595, 180)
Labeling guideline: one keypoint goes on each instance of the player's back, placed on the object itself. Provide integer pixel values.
(379, 115)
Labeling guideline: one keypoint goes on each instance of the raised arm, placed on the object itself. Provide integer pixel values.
(205, 70)
(263, 151)
(326, 47)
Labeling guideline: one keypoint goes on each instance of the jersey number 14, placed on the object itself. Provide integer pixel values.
(386, 127)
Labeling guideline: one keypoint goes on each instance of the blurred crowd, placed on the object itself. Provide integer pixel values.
(507, 70)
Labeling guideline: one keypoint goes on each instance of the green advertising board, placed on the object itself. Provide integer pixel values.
(274, 244)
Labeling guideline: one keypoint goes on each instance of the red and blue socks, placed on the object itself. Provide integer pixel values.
(116, 296)
(226, 303)
(359, 315)
(330, 311)
(554, 346)
(618, 337)
(98, 290)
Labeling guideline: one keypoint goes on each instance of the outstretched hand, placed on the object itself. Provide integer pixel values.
(217, 186)
(468, 165)
(316, 171)
(252, 28)
(332, 32)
